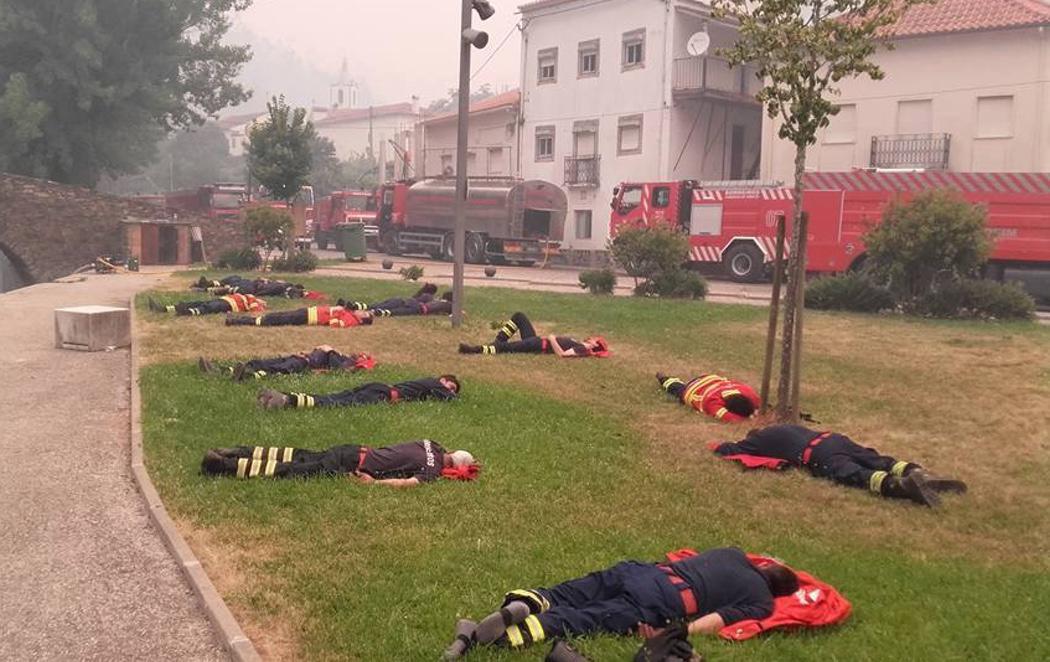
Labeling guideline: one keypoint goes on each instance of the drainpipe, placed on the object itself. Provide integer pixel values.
(520, 126)
(1041, 149)
(665, 105)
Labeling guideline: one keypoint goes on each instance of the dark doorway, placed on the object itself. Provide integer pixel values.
(537, 223)
(167, 244)
(736, 153)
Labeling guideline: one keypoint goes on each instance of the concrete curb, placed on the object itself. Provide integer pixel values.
(233, 638)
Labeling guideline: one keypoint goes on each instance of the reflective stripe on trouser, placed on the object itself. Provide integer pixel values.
(506, 331)
(311, 316)
(488, 349)
(876, 480)
(534, 599)
(528, 632)
(301, 400)
(899, 468)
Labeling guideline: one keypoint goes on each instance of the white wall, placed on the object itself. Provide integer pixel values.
(952, 71)
(491, 138)
(351, 137)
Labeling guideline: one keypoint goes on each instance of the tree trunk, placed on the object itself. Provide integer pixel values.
(796, 276)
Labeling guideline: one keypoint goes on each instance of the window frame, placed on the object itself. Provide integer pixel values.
(585, 49)
(656, 191)
(631, 39)
(543, 133)
(627, 121)
(978, 134)
(542, 56)
(590, 223)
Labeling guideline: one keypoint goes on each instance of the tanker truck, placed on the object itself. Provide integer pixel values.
(507, 219)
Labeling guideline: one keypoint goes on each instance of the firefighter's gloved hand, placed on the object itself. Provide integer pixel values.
(671, 645)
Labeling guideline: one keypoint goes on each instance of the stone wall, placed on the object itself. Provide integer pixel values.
(50, 230)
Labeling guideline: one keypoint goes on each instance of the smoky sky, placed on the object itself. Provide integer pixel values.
(394, 48)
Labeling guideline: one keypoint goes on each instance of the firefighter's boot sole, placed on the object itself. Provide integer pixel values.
(495, 624)
(271, 399)
(239, 372)
(155, 307)
(561, 651)
(919, 492)
(464, 348)
(213, 464)
(465, 630)
(939, 484)
(206, 367)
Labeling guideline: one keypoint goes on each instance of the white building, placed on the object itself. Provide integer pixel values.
(378, 130)
(967, 89)
(492, 140)
(610, 93)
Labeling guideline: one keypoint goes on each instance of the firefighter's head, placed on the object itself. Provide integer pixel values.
(781, 579)
(596, 345)
(450, 382)
(364, 316)
(740, 405)
(459, 458)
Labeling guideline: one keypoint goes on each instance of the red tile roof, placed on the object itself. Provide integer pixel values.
(354, 114)
(947, 16)
(505, 100)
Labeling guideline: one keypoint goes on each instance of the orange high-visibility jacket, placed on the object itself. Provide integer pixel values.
(708, 393)
(244, 303)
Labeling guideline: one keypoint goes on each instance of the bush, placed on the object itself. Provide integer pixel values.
(677, 283)
(296, 261)
(245, 259)
(979, 299)
(598, 281)
(269, 229)
(414, 272)
(854, 292)
(934, 239)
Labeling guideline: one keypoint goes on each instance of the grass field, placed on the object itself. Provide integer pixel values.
(587, 463)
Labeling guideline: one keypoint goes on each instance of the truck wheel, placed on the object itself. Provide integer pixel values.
(475, 248)
(322, 241)
(448, 247)
(744, 264)
(389, 241)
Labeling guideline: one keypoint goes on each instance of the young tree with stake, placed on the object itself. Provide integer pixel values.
(801, 49)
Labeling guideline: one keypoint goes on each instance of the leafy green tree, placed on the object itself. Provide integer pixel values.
(360, 172)
(269, 229)
(103, 80)
(326, 171)
(801, 49)
(935, 238)
(279, 150)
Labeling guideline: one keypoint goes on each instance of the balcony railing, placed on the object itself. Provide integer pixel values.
(696, 75)
(919, 150)
(582, 170)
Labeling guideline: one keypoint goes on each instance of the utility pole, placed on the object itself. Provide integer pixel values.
(468, 37)
(371, 143)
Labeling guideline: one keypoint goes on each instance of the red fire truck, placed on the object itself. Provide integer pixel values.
(733, 224)
(507, 219)
(344, 207)
(215, 200)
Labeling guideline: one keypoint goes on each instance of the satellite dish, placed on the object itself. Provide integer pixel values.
(698, 44)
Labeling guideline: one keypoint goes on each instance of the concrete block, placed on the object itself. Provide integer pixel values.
(92, 328)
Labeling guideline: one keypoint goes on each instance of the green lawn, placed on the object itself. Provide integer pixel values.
(587, 463)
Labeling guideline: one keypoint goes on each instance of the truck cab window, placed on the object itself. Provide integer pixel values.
(661, 196)
(631, 198)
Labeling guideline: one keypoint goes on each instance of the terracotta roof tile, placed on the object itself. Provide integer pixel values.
(507, 99)
(947, 16)
(354, 114)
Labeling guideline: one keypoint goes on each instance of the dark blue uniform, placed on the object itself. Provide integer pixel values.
(617, 599)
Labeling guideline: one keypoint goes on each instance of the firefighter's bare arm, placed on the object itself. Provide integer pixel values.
(709, 624)
(389, 482)
(553, 341)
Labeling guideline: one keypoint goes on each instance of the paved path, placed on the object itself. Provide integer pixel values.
(83, 574)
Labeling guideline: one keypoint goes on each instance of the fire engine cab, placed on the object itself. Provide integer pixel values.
(732, 225)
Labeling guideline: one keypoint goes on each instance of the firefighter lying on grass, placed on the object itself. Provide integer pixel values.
(420, 303)
(259, 287)
(721, 591)
(714, 395)
(231, 303)
(322, 357)
(530, 343)
(445, 387)
(836, 457)
(401, 465)
(336, 316)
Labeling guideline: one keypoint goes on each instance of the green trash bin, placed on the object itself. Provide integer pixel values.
(352, 238)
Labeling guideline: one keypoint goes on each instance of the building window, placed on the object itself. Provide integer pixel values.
(661, 197)
(629, 135)
(496, 161)
(995, 117)
(634, 49)
(583, 223)
(447, 168)
(914, 116)
(843, 127)
(588, 60)
(548, 66)
(545, 143)
(585, 138)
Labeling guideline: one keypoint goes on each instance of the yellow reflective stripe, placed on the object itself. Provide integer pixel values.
(535, 628)
(271, 464)
(256, 466)
(898, 468)
(668, 383)
(259, 374)
(242, 467)
(514, 636)
(311, 315)
(288, 454)
(170, 309)
(700, 383)
(309, 400)
(876, 480)
(272, 453)
(258, 321)
(257, 452)
(730, 391)
(722, 411)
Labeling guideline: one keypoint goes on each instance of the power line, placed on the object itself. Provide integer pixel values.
(493, 54)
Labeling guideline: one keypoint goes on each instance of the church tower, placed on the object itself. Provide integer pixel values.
(344, 91)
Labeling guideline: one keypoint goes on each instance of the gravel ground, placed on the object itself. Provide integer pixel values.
(83, 574)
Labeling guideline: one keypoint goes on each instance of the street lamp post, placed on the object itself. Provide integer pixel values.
(468, 38)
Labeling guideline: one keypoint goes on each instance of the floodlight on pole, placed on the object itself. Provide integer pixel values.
(468, 38)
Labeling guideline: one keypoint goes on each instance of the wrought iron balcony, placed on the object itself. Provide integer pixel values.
(697, 76)
(582, 170)
(919, 150)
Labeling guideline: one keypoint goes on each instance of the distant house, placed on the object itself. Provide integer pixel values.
(236, 129)
(967, 89)
(372, 131)
(492, 140)
(630, 90)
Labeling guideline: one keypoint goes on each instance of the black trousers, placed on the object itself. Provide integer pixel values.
(298, 317)
(844, 461)
(286, 462)
(530, 343)
(366, 394)
(213, 307)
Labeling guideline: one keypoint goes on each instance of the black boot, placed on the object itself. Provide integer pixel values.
(561, 651)
(495, 624)
(206, 366)
(465, 630)
(661, 377)
(240, 372)
(939, 484)
(213, 464)
(464, 348)
(428, 288)
(155, 307)
(912, 488)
